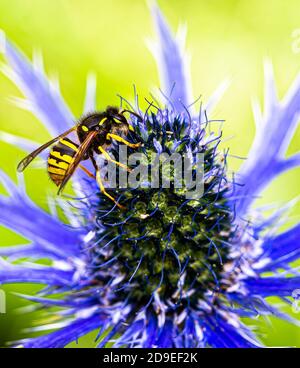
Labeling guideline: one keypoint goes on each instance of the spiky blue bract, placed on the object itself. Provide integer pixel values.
(167, 271)
(274, 131)
(42, 97)
(173, 63)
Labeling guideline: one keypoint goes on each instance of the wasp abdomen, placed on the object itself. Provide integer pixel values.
(60, 159)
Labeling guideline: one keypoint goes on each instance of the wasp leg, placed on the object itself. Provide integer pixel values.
(87, 172)
(122, 140)
(102, 188)
(107, 156)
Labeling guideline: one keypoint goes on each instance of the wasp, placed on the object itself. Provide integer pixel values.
(96, 132)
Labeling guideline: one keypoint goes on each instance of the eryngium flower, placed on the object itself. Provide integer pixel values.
(167, 271)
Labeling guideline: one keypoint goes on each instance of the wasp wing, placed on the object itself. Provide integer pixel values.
(83, 148)
(27, 160)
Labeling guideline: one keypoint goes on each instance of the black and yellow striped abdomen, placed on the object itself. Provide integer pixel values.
(60, 158)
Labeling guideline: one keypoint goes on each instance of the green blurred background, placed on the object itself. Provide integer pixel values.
(225, 38)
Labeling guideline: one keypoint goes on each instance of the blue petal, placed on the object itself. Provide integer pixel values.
(254, 306)
(32, 251)
(220, 334)
(21, 215)
(108, 336)
(190, 333)
(65, 303)
(187, 338)
(272, 286)
(275, 130)
(165, 337)
(150, 331)
(169, 55)
(47, 275)
(130, 336)
(66, 335)
(46, 102)
(282, 249)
